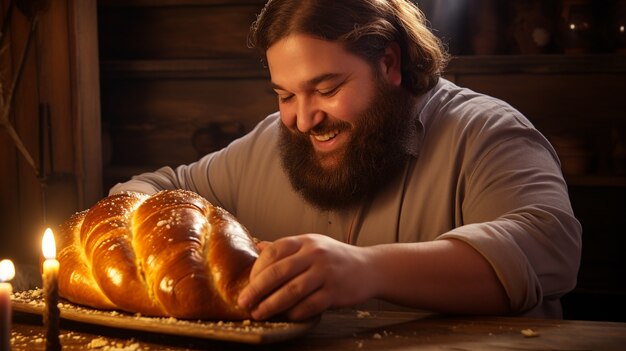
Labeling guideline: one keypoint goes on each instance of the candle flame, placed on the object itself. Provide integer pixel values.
(7, 270)
(48, 246)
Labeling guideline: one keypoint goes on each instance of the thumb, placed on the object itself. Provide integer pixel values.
(261, 245)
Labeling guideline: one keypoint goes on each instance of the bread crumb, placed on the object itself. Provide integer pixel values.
(35, 298)
(377, 336)
(97, 343)
(363, 314)
(529, 333)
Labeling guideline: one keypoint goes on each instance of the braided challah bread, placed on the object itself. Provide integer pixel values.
(169, 254)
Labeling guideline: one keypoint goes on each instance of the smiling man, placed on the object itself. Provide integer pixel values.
(344, 125)
(378, 179)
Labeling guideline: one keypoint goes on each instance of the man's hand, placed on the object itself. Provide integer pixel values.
(304, 275)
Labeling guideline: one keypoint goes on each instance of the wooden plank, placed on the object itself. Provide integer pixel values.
(186, 101)
(145, 117)
(176, 32)
(9, 215)
(537, 64)
(597, 181)
(86, 100)
(178, 3)
(25, 111)
(45, 82)
(53, 89)
(542, 65)
(341, 330)
(247, 331)
(53, 82)
(583, 100)
(198, 68)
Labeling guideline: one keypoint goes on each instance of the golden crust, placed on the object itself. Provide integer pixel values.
(170, 254)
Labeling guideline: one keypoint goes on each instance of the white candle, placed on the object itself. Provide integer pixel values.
(51, 291)
(7, 272)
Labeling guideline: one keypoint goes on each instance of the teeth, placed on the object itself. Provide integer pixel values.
(326, 136)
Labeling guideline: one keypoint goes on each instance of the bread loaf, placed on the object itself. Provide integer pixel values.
(170, 254)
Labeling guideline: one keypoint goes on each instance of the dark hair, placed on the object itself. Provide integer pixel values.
(365, 27)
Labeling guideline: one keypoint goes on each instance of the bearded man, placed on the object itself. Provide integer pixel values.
(378, 179)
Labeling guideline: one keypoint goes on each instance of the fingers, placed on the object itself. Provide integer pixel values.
(293, 295)
(272, 253)
(302, 276)
(276, 265)
(314, 304)
(261, 245)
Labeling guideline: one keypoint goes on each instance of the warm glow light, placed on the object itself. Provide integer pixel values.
(572, 26)
(7, 270)
(48, 246)
(621, 29)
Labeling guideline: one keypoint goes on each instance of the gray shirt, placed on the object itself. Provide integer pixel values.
(479, 172)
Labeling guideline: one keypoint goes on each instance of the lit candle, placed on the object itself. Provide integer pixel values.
(7, 272)
(51, 292)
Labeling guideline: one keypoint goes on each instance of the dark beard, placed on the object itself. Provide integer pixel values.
(375, 154)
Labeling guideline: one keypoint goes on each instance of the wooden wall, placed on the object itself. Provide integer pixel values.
(176, 73)
(55, 109)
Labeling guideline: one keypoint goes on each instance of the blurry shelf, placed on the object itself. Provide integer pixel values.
(177, 3)
(596, 180)
(252, 67)
(602, 292)
(537, 64)
(191, 68)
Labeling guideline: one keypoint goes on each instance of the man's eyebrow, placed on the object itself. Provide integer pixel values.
(311, 82)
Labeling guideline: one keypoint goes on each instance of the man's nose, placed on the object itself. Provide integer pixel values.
(308, 115)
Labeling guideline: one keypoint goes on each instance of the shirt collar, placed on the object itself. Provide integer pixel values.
(417, 122)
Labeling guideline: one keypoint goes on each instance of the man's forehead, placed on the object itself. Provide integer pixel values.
(309, 60)
(324, 77)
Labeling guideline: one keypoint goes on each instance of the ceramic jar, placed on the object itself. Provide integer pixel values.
(576, 26)
(532, 27)
(618, 26)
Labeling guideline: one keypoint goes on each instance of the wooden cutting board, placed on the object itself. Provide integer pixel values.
(247, 331)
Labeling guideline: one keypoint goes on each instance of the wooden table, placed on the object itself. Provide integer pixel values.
(354, 330)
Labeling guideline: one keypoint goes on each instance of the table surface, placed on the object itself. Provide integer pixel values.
(354, 330)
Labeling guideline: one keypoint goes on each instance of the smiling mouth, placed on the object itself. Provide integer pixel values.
(326, 136)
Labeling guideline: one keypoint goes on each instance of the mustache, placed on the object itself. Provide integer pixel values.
(329, 126)
(325, 127)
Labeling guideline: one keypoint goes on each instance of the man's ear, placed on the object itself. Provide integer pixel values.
(391, 64)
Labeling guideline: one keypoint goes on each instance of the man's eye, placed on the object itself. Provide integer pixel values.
(284, 98)
(328, 92)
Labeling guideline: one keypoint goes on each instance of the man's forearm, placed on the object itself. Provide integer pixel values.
(443, 275)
